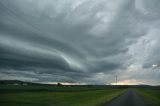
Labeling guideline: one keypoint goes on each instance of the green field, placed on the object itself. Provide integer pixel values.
(151, 95)
(41, 87)
(40, 95)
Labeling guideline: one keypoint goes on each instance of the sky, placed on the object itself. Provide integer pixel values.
(80, 41)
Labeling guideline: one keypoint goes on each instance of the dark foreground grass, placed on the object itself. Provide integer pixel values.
(151, 95)
(46, 98)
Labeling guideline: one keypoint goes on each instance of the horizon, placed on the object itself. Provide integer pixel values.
(80, 41)
(83, 84)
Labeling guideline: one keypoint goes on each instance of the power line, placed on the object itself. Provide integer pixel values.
(21, 18)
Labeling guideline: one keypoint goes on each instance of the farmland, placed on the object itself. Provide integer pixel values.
(17, 93)
(47, 95)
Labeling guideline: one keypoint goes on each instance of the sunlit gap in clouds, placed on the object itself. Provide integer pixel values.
(127, 82)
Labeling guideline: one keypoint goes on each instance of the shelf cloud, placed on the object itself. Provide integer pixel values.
(80, 41)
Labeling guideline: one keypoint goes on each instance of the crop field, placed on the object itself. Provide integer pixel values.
(43, 95)
(151, 95)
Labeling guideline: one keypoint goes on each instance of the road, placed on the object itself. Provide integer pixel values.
(129, 98)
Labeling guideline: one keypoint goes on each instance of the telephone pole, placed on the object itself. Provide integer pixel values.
(116, 79)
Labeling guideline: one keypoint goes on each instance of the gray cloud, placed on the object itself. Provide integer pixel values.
(77, 41)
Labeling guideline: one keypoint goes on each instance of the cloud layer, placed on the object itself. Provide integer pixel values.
(80, 41)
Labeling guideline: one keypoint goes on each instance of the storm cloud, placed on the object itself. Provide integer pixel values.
(80, 41)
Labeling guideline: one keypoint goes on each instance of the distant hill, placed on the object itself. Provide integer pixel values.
(10, 82)
(16, 82)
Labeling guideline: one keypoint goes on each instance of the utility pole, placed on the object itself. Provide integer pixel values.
(116, 79)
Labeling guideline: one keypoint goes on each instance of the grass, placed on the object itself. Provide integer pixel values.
(60, 96)
(151, 95)
(41, 87)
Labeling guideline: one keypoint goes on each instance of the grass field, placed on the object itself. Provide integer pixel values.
(41, 87)
(151, 95)
(56, 96)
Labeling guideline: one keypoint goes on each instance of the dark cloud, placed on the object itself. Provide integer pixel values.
(77, 41)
